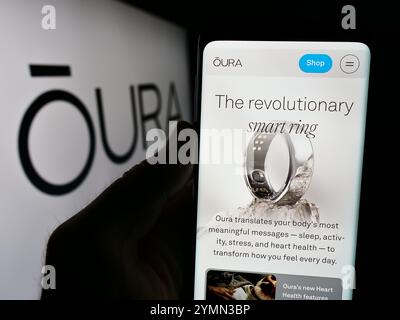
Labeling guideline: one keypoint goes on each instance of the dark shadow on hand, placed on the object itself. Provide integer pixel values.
(133, 241)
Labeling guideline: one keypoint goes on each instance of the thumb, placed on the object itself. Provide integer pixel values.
(134, 202)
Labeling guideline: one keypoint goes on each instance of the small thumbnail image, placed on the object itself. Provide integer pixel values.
(230, 285)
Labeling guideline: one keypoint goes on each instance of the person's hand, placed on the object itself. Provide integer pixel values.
(222, 292)
(133, 241)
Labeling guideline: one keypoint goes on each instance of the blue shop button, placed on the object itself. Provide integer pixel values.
(315, 63)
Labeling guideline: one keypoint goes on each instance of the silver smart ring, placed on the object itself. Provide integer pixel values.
(301, 163)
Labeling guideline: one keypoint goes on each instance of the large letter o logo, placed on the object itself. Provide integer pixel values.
(34, 108)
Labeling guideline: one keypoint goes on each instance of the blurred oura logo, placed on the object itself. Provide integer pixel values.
(140, 117)
(220, 62)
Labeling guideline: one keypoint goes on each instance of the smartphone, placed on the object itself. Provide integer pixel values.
(280, 164)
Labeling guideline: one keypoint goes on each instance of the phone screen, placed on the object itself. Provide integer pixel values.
(280, 165)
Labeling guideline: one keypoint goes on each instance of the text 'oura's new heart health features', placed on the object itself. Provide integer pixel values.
(281, 147)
